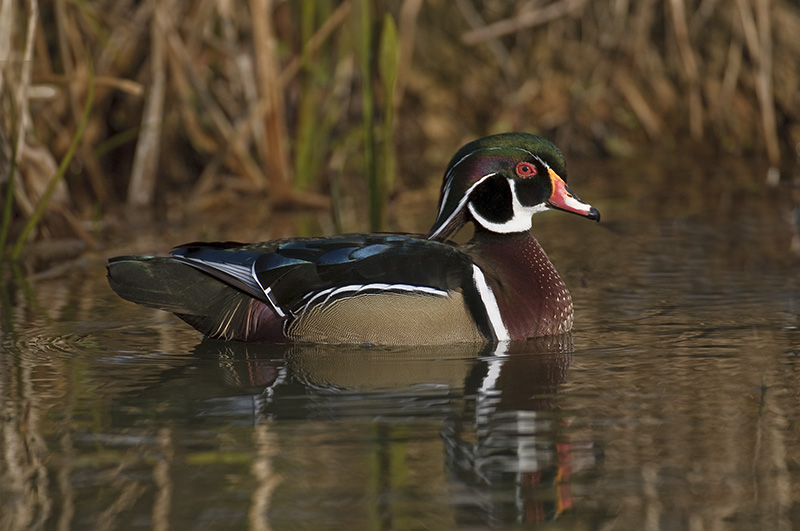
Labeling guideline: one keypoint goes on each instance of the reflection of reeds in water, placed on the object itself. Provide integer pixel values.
(303, 98)
(692, 421)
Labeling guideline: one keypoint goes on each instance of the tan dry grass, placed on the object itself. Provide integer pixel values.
(203, 99)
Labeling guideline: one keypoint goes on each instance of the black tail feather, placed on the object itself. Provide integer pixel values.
(211, 306)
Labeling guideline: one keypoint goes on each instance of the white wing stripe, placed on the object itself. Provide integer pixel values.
(267, 291)
(239, 272)
(278, 310)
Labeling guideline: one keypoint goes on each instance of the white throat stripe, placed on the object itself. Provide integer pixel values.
(521, 215)
(490, 303)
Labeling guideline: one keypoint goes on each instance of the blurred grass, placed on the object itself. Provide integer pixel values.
(38, 212)
(364, 53)
(388, 65)
(201, 103)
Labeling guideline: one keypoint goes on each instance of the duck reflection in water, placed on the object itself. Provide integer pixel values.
(509, 451)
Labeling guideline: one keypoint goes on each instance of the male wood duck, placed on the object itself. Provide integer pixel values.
(388, 289)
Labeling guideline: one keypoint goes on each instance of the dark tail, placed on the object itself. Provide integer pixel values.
(211, 306)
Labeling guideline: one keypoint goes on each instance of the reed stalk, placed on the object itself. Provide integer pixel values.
(20, 112)
(388, 72)
(8, 203)
(310, 139)
(144, 172)
(275, 141)
(293, 98)
(33, 221)
(368, 114)
(757, 28)
(690, 68)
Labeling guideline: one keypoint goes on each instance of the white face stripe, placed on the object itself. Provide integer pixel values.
(519, 222)
(460, 205)
(490, 303)
(448, 180)
(471, 153)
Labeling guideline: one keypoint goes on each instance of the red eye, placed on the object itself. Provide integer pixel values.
(526, 169)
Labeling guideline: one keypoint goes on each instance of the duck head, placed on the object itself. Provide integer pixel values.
(499, 182)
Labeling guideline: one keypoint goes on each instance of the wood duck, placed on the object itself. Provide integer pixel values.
(407, 289)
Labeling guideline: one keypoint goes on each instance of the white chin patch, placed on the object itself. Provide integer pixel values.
(519, 222)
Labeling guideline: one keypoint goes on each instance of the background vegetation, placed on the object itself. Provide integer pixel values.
(163, 106)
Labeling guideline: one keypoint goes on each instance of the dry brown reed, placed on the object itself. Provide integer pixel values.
(202, 101)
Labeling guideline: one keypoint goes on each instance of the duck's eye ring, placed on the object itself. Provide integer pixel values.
(525, 169)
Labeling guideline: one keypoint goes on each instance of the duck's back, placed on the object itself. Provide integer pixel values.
(383, 289)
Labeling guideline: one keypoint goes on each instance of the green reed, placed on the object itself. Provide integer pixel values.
(5, 224)
(310, 135)
(368, 113)
(33, 221)
(389, 59)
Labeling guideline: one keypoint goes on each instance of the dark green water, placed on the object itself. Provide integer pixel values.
(674, 404)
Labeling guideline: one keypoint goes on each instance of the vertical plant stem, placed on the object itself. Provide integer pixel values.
(62, 170)
(757, 31)
(6, 314)
(6, 21)
(145, 164)
(5, 224)
(388, 70)
(407, 29)
(19, 107)
(332, 21)
(766, 96)
(690, 68)
(74, 31)
(306, 120)
(21, 102)
(368, 115)
(271, 95)
(8, 205)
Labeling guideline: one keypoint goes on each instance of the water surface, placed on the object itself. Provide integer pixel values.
(674, 403)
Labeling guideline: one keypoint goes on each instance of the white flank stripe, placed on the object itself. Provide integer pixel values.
(490, 303)
(377, 286)
(311, 296)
